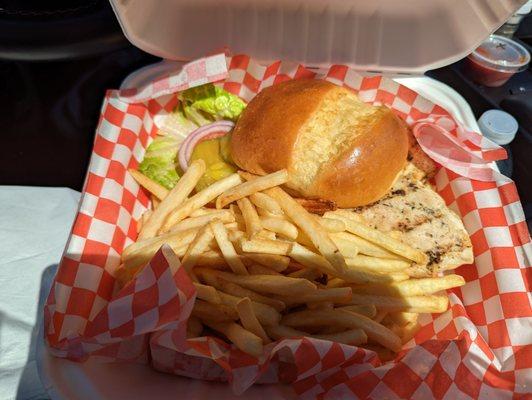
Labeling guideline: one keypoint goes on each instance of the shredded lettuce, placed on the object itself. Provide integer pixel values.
(203, 104)
(159, 161)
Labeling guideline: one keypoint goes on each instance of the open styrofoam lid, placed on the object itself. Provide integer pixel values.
(409, 36)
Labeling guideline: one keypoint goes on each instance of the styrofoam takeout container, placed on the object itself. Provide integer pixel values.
(371, 36)
(377, 35)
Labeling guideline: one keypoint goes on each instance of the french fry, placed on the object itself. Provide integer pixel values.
(267, 235)
(194, 327)
(257, 269)
(139, 223)
(235, 236)
(383, 240)
(231, 225)
(213, 312)
(322, 305)
(252, 186)
(402, 318)
(251, 218)
(364, 246)
(123, 275)
(336, 282)
(207, 293)
(417, 304)
(413, 287)
(276, 262)
(266, 314)
(148, 184)
(145, 249)
(331, 225)
(238, 291)
(359, 276)
(142, 220)
(306, 273)
(203, 211)
(135, 263)
(228, 251)
(375, 264)
(212, 259)
(195, 249)
(312, 260)
(225, 216)
(280, 226)
(243, 339)
(310, 226)
(346, 247)
(278, 332)
(337, 295)
(304, 240)
(352, 337)
(199, 200)
(295, 266)
(239, 219)
(309, 259)
(249, 319)
(380, 316)
(409, 331)
(317, 206)
(266, 214)
(281, 285)
(347, 319)
(266, 203)
(266, 246)
(154, 202)
(383, 353)
(369, 310)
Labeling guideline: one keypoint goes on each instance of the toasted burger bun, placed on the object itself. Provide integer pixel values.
(333, 145)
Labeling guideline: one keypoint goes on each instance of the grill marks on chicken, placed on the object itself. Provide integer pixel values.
(415, 214)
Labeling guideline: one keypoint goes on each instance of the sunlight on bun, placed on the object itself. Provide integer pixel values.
(333, 145)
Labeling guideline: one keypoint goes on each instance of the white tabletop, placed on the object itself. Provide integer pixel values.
(34, 226)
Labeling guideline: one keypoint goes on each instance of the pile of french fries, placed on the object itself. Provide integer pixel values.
(266, 268)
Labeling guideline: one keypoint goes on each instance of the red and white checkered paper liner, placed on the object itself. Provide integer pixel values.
(479, 348)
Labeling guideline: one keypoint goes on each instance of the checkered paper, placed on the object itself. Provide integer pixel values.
(479, 348)
(199, 72)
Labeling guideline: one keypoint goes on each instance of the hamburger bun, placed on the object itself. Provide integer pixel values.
(333, 145)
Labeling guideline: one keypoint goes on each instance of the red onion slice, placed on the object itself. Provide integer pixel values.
(205, 132)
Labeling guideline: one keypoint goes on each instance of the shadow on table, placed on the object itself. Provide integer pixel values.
(30, 386)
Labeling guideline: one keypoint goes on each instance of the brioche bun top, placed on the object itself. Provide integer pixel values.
(333, 145)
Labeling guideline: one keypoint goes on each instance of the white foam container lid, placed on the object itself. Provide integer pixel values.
(410, 36)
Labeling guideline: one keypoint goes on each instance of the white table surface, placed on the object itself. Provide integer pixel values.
(34, 226)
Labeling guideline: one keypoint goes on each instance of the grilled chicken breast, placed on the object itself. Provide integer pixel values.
(415, 214)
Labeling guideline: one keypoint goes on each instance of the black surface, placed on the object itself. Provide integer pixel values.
(57, 29)
(49, 109)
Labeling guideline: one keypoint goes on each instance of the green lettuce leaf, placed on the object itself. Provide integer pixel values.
(159, 161)
(211, 102)
(197, 116)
